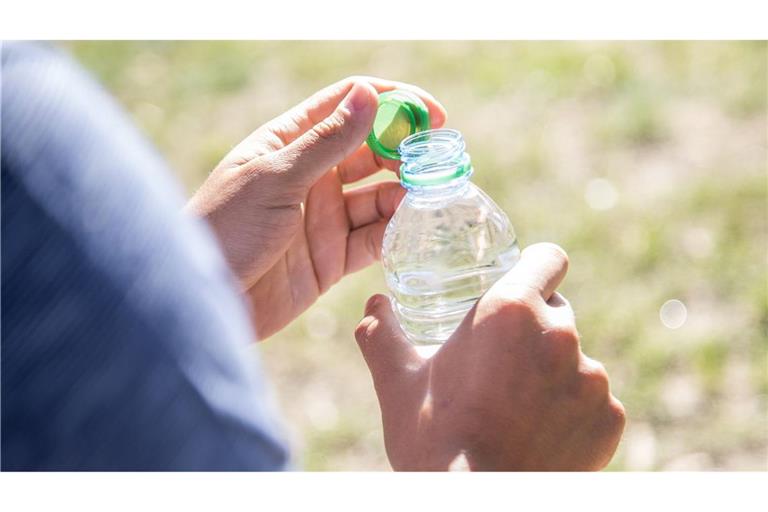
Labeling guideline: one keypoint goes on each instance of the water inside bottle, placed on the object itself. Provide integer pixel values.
(447, 243)
(430, 303)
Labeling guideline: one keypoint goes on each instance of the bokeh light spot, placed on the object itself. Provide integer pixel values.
(600, 194)
(320, 323)
(673, 314)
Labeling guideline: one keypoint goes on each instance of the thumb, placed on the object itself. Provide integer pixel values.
(385, 348)
(334, 138)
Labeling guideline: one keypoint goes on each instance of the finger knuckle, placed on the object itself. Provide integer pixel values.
(617, 414)
(514, 302)
(557, 353)
(330, 129)
(365, 329)
(553, 252)
(564, 339)
(595, 382)
(275, 164)
(558, 253)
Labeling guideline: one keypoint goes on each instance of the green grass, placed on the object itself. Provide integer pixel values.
(677, 128)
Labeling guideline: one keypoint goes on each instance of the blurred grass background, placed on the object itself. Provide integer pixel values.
(646, 161)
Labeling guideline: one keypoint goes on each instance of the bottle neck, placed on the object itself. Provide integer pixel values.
(438, 193)
(434, 165)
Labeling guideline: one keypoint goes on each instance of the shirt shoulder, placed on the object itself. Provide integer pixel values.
(125, 342)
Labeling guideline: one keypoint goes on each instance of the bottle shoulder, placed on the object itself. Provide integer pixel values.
(471, 203)
(464, 225)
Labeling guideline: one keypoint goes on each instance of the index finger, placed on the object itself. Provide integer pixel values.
(296, 121)
(541, 267)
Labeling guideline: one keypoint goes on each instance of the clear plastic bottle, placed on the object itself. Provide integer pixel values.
(447, 243)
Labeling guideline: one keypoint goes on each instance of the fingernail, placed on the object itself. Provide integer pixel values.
(357, 99)
(372, 303)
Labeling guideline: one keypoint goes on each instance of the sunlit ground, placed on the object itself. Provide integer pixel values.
(646, 161)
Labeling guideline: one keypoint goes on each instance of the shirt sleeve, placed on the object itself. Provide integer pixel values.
(125, 345)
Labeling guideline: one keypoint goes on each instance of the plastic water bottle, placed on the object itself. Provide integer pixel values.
(447, 243)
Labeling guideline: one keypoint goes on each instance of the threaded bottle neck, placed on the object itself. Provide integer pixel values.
(434, 161)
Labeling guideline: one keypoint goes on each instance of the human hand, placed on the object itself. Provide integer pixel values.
(510, 390)
(276, 203)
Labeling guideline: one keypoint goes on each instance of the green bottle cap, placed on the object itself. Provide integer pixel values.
(399, 115)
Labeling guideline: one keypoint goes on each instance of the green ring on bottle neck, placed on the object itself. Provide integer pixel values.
(410, 180)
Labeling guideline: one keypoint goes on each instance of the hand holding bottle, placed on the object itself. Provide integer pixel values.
(510, 390)
(276, 202)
